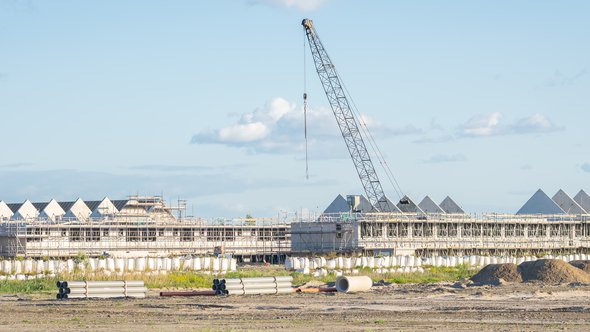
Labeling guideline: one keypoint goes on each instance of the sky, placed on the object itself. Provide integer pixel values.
(485, 101)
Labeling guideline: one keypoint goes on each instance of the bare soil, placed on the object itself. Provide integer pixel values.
(440, 306)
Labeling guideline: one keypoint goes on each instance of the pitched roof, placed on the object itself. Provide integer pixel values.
(406, 205)
(365, 205)
(429, 206)
(66, 206)
(540, 203)
(390, 207)
(338, 205)
(40, 205)
(14, 206)
(119, 204)
(449, 206)
(583, 199)
(92, 205)
(567, 204)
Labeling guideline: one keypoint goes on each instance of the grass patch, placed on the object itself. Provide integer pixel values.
(192, 280)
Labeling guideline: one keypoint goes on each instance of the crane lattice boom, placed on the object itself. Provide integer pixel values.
(345, 118)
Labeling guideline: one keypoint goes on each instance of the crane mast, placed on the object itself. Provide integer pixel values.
(345, 118)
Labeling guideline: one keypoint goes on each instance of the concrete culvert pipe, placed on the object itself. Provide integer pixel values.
(353, 284)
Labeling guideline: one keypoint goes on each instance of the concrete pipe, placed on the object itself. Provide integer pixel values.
(103, 296)
(283, 279)
(206, 263)
(104, 290)
(94, 284)
(353, 284)
(258, 279)
(251, 291)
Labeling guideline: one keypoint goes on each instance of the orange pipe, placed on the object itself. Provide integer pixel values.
(316, 290)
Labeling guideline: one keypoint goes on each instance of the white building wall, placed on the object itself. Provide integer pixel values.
(52, 211)
(79, 211)
(105, 208)
(5, 212)
(27, 211)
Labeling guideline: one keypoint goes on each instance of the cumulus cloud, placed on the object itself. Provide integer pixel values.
(278, 127)
(442, 158)
(585, 167)
(482, 125)
(536, 123)
(301, 5)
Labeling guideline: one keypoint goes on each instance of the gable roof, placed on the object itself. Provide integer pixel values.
(66, 205)
(119, 204)
(567, 204)
(583, 199)
(92, 205)
(5, 211)
(429, 206)
(338, 205)
(364, 205)
(406, 205)
(40, 205)
(14, 206)
(449, 206)
(540, 203)
(391, 208)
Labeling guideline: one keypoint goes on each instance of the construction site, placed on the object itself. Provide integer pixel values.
(373, 259)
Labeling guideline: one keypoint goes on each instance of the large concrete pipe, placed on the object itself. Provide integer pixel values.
(353, 284)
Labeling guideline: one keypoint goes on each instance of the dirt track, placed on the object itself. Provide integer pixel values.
(410, 307)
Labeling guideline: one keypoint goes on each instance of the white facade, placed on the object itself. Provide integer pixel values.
(79, 210)
(104, 209)
(52, 211)
(27, 211)
(5, 212)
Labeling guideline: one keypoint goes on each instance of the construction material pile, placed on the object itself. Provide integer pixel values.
(261, 285)
(550, 271)
(100, 289)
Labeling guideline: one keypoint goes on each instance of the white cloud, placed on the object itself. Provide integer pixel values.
(278, 128)
(492, 124)
(301, 5)
(248, 132)
(536, 123)
(482, 125)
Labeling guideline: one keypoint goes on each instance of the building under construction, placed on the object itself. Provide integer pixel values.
(146, 226)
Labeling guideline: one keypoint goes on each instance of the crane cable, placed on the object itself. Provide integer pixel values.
(373, 144)
(305, 106)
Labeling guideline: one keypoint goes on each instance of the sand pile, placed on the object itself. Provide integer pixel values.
(582, 265)
(492, 273)
(551, 271)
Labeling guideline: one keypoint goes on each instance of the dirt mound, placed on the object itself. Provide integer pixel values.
(552, 271)
(582, 265)
(492, 273)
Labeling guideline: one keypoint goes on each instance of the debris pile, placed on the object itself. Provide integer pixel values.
(550, 271)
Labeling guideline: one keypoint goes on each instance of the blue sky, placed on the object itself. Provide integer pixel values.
(483, 101)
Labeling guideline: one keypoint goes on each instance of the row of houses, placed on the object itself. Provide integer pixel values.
(360, 204)
(561, 203)
(539, 204)
(80, 210)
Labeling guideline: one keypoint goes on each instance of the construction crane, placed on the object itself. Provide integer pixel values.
(344, 114)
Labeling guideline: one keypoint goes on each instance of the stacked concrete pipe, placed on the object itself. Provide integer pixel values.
(100, 289)
(260, 285)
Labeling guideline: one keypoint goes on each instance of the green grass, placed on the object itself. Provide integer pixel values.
(191, 280)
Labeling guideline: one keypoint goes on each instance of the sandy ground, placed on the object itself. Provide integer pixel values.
(441, 307)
